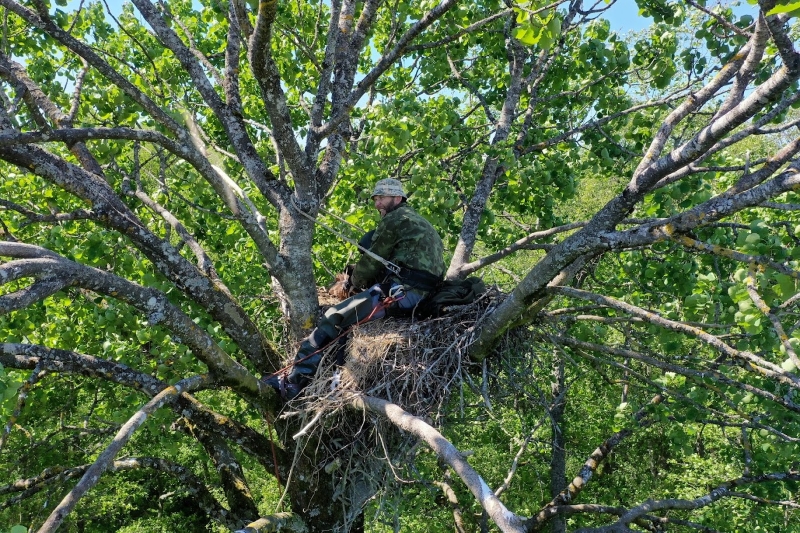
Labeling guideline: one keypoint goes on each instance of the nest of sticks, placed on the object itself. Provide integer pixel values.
(413, 363)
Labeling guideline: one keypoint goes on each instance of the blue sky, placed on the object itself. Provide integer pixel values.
(624, 15)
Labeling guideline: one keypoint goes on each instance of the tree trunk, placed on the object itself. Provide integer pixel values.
(558, 457)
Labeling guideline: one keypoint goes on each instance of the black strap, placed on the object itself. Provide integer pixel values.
(419, 279)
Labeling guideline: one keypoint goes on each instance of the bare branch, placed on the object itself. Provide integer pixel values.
(153, 303)
(386, 60)
(113, 212)
(722, 491)
(93, 473)
(505, 519)
(758, 364)
(520, 244)
(587, 470)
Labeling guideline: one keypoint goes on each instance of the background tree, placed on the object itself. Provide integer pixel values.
(163, 170)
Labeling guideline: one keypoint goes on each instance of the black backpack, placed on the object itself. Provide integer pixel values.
(450, 293)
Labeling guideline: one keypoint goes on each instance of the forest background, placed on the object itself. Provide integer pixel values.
(166, 175)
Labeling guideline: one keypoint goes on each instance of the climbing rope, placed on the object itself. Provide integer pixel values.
(391, 267)
(396, 294)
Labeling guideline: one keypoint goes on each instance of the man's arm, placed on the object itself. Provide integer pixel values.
(369, 271)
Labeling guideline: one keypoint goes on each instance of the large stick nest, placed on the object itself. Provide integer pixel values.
(410, 362)
(413, 363)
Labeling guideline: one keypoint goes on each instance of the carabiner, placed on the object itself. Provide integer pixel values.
(397, 292)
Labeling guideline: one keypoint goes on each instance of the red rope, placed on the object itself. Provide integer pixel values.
(383, 304)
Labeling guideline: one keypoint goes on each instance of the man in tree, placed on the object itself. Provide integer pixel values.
(403, 264)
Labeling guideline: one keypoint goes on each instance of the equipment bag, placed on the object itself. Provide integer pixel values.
(450, 293)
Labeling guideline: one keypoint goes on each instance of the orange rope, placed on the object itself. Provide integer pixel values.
(383, 304)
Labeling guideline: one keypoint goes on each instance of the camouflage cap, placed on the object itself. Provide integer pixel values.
(388, 187)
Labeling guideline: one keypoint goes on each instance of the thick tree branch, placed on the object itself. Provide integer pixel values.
(447, 453)
(151, 302)
(517, 57)
(227, 190)
(269, 81)
(93, 473)
(115, 214)
(274, 523)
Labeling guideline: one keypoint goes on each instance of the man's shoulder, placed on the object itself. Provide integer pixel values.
(406, 221)
(404, 214)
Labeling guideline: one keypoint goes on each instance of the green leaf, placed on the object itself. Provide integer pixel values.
(527, 35)
(792, 8)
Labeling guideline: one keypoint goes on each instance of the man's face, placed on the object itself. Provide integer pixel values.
(385, 204)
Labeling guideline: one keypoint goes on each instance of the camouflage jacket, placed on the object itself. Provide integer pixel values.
(406, 239)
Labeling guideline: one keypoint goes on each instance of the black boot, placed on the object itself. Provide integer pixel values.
(305, 366)
(288, 391)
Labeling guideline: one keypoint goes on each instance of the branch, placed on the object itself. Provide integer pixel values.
(97, 62)
(472, 90)
(152, 303)
(188, 481)
(16, 73)
(694, 244)
(520, 244)
(22, 298)
(697, 375)
(722, 491)
(713, 210)
(115, 214)
(34, 217)
(386, 61)
(720, 20)
(452, 500)
(234, 127)
(234, 484)
(204, 262)
(469, 29)
(448, 454)
(756, 363)
(268, 78)
(276, 522)
(93, 473)
(741, 82)
(193, 152)
(31, 356)
(517, 57)
(587, 470)
(750, 281)
(271, 455)
(22, 396)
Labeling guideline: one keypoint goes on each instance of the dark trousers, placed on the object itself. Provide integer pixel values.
(363, 307)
